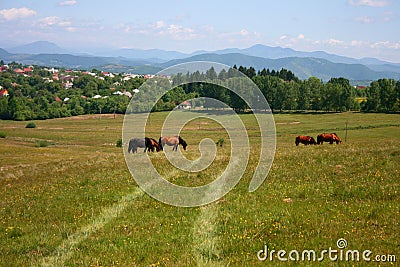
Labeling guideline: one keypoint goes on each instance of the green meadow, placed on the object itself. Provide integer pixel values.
(73, 202)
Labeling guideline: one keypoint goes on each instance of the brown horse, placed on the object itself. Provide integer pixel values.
(331, 138)
(305, 139)
(174, 141)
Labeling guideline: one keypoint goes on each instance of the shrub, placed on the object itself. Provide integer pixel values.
(30, 125)
(42, 143)
(119, 143)
(220, 142)
(2, 135)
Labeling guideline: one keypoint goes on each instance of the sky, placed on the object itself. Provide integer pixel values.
(354, 28)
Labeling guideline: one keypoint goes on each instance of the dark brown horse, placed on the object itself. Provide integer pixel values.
(148, 144)
(174, 141)
(152, 144)
(331, 138)
(305, 139)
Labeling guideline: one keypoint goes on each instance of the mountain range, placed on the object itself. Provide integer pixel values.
(304, 64)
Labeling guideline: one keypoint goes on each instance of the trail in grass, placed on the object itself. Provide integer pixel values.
(205, 239)
(67, 248)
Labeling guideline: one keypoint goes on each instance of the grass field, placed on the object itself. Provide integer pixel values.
(73, 202)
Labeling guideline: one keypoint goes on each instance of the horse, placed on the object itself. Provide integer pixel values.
(147, 143)
(332, 137)
(305, 139)
(172, 141)
(152, 144)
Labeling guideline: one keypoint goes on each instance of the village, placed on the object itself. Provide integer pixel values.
(34, 92)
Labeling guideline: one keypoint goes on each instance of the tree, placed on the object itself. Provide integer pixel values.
(211, 74)
(304, 98)
(373, 97)
(388, 95)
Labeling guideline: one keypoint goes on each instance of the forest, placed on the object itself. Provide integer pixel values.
(43, 93)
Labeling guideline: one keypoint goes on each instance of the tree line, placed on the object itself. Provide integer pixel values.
(285, 92)
(38, 96)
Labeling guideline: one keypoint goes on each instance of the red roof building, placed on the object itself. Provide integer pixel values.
(18, 70)
(4, 92)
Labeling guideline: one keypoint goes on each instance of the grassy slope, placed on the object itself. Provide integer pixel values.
(74, 203)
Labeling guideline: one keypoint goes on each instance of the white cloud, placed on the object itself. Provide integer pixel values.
(56, 22)
(49, 21)
(17, 13)
(386, 44)
(244, 32)
(333, 41)
(68, 3)
(364, 19)
(160, 24)
(371, 3)
(357, 43)
(300, 36)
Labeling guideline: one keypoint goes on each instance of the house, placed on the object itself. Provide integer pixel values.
(4, 92)
(68, 85)
(18, 71)
(3, 68)
(29, 69)
(185, 105)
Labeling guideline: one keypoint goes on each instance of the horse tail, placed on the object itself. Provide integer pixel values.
(130, 147)
(319, 139)
(147, 144)
(160, 143)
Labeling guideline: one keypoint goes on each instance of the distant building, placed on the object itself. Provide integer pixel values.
(185, 105)
(4, 92)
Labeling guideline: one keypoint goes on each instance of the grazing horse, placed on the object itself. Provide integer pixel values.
(172, 141)
(147, 143)
(332, 137)
(152, 144)
(305, 139)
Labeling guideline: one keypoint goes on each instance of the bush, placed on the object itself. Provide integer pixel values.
(2, 135)
(119, 143)
(30, 125)
(220, 142)
(42, 143)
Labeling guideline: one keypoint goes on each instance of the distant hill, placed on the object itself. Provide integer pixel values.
(4, 54)
(302, 67)
(40, 47)
(304, 64)
(154, 55)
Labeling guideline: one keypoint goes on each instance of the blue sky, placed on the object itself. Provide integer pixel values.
(355, 28)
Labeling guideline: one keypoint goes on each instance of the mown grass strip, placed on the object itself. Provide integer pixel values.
(67, 248)
(205, 241)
